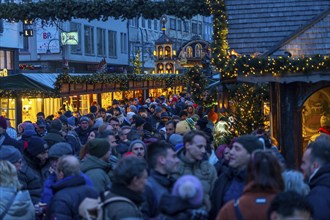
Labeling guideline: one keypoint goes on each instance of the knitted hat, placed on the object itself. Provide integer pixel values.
(29, 129)
(60, 149)
(3, 122)
(190, 189)
(135, 142)
(250, 143)
(84, 118)
(56, 125)
(158, 109)
(115, 102)
(182, 127)
(164, 115)
(174, 99)
(175, 139)
(36, 145)
(68, 114)
(117, 109)
(130, 115)
(10, 153)
(63, 119)
(98, 147)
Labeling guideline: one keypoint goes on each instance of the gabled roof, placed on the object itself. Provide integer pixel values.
(259, 25)
(164, 39)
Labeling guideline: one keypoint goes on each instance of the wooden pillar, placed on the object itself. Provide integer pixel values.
(19, 107)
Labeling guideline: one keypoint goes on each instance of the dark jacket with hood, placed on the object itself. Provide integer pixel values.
(124, 209)
(30, 181)
(157, 185)
(68, 194)
(319, 195)
(98, 172)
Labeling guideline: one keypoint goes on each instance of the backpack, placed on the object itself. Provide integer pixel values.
(93, 209)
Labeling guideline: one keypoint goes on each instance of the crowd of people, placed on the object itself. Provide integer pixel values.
(161, 159)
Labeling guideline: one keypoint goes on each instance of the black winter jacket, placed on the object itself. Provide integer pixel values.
(68, 194)
(319, 195)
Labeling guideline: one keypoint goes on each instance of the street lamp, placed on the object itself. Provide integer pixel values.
(65, 65)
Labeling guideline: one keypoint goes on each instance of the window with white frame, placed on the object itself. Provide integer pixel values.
(100, 35)
(89, 40)
(179, 25)
(198, 50)
(200, 28)
(155, 25)
(123, 42)
(6, 59)
(172, 24)
(143, 22)
(149, 23)
(76, 27)
(112, 43)
(186, 26)
(194, 28)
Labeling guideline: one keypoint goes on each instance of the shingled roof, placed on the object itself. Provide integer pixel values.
(274, 26)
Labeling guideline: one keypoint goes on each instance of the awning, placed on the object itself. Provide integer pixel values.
(20, 85)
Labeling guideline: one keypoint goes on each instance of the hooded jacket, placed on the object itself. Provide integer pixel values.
(319, 195)
(21, 208)
(98, 172)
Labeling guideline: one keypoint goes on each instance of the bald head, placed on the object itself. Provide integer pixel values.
(69, 165)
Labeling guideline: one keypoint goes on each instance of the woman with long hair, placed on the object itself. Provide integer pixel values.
(14, 203)
(264, 181)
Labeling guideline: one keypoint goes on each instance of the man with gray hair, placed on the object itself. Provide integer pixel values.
(69, 191)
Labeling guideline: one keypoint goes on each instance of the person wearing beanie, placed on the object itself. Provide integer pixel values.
(183, 127)
(139, 123)
(35, 156)
(324, 127)
(230, 186)
(83, 129)
(132, 108)
(192, 161)
(54, 135)
(185, 201)
(11, 154)
(155, 118)
(138, 148)
(96, 163)
(26, 176)
(55, 152)
(175, 139)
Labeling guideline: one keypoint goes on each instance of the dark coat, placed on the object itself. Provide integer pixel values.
(221, 186)
(82, 134)
(31, 182)
(157, 185)
(68, 194)
(10, 141)
(124, 209)
(319, 195)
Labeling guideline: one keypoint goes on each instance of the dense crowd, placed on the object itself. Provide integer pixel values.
(155, 159)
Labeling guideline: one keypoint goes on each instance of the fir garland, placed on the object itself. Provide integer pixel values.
(65, 10)
(119, 78)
